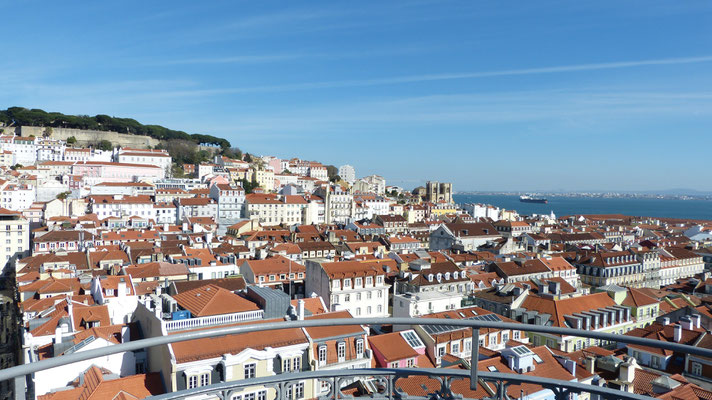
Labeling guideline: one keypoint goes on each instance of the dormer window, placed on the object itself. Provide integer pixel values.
(347, 283)
(430, 277)
(447, 276)
(341, 351)
(359, 347)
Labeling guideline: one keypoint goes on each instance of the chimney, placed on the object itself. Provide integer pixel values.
(125, 334)
(666, 321)
(544, 289)
(165, 227)
(157, 290)
(590, 364)
(554, 287)
(696, 320)
(58, 334)
(121, 289)
(185, 227)
(686, 322)
(626, 373)
(678, 333)
(300, 310)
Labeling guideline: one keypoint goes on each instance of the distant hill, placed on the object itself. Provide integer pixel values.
(19, 116)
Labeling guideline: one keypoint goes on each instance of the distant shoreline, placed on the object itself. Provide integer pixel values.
(597, 195)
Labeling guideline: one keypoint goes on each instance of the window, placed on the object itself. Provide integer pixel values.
(410, 362)
(347, 298)
(393, 365)
(379, 279)
(299, 390)
(369, 280)
(286, 363)
(192, 381)
(347, 283)
(358, 296)
(297, 364)
(368, 310)
(358, 311)
(322, 355)
(357, 282)
(380, 308)
(380, 294)
(262, 395)
(204, 379)
(250, 370)
(195, 381)
(341, 351)
(441, 351)
(359, 346)
(455, 347)
(368, 295)
(505, 337)
(696, 368)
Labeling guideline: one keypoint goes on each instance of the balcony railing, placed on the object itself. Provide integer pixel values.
(387, 377)
(192, 323)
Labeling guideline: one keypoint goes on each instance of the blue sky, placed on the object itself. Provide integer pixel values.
(540, 95)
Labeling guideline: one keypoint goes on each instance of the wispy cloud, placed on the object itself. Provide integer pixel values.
(246, 59)
(444, 76)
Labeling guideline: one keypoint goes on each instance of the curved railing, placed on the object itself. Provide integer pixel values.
(559, 387)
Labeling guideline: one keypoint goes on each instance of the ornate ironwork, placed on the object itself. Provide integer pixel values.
(225, 390)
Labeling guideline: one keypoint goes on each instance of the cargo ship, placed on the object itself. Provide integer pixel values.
(530, 199)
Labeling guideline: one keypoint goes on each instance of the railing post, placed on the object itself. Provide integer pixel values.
(19, 388)
(474, 357)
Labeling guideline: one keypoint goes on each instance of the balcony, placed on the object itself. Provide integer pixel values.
(383, 383)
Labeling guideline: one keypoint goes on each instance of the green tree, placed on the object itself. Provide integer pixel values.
(105, 145)
(332, 172)
(233, 152)
(48, 132)
(71, 140)
(16, 166)
(248, 158)
(249, 186)
(35, 117)
(64, 195)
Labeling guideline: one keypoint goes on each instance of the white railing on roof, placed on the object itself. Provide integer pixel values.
(213, 320)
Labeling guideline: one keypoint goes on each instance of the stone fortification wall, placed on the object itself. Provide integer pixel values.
(85, 138)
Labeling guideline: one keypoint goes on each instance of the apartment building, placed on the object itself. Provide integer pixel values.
(15, 231)
(358, 287)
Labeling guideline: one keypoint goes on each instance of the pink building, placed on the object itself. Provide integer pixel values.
(276, 165)
(101, 171)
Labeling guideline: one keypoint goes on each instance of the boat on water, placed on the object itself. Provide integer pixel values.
(531, 199)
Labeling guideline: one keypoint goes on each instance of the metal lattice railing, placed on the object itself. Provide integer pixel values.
(561, 389)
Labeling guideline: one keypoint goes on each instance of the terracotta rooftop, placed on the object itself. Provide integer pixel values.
(213, 300)
(95, 387)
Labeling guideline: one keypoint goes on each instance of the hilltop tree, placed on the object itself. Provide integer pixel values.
(332, 172)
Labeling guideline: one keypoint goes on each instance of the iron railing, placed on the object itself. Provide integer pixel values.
(560, 388)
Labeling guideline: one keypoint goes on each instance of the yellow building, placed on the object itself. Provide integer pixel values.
(264, 178)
